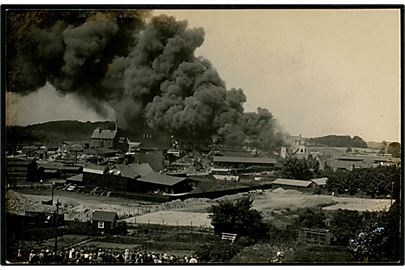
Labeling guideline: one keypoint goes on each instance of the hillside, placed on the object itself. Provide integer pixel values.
(54, 131)
(338, 141)
(70, 130)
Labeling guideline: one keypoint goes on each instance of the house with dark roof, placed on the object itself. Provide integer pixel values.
(300, 185)
(109, 138)
(104, 221)
(104, 138)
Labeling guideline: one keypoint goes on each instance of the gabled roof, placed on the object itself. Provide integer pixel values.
(320, 181)
(292, 182)
(133, 170)
(100, 133)
(161, 179)
(105, 216)
(253, 160)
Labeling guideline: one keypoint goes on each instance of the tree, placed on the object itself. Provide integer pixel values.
(344, 225)
(394, 149)
(378, 181)
(302, 169)
(312, 218)
(238, 217)
(379, 239)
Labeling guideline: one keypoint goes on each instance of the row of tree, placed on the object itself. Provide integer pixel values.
(338, 141)
(378, 181)
(375, 182)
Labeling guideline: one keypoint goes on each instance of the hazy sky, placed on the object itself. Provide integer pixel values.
(319, 72)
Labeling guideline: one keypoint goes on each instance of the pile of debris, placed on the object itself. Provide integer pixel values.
(17, 204)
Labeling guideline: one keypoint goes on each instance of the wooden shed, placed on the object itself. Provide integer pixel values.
(104, 221)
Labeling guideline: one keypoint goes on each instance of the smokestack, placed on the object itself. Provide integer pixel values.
(116, 124)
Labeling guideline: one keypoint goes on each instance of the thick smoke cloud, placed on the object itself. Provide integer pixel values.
(146, 71)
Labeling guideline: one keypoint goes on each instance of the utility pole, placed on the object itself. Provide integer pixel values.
(53, 187)
(392, 191)
(56, 229)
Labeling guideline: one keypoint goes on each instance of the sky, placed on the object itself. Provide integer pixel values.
(319, 72)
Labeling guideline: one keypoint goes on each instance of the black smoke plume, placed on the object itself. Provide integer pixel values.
(141, 66)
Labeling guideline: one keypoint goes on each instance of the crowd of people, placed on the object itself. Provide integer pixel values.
(106, 256)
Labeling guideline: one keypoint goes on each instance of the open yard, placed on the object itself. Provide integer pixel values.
(190, 212)
(173, 218)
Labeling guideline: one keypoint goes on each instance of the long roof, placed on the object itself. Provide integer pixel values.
(161, 179)
(100, 133)
(234, 154)
(134, 170)
(105, 216)
(76, 178)
(292, 182)
(252, 160)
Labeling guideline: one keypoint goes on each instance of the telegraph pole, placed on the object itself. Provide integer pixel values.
(53, 187)
(56, 228)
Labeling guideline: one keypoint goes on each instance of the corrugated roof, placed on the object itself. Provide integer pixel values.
(100, 133)
(292, 182)
(134, 170)
(104, 216)
(253, 160)
(320, 181)
(161, 179)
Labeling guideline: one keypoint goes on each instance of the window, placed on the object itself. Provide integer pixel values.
(101, 225)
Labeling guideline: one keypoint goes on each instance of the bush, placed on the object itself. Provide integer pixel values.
(218, 252)
(344, 225)
(121, 228)
(238, 217)
(321, 254)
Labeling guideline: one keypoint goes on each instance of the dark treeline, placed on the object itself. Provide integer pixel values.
(55, 131)
(338, 141)
(375, 182)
